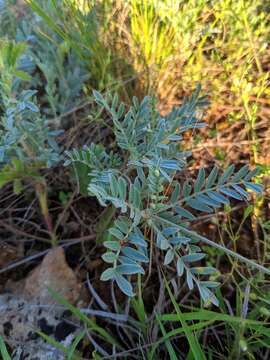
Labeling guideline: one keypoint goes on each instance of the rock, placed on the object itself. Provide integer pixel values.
(30, 307)
(53, 273)
(19, 321)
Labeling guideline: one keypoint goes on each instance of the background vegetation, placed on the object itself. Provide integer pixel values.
(53, 54)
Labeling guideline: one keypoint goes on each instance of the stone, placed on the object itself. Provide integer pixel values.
(53, 273)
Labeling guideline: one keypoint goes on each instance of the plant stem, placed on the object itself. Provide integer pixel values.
(203, 239)
(41, 192)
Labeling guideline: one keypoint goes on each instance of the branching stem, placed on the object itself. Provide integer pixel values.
(203, 239)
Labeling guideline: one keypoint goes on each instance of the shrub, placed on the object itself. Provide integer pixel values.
(27, 144)
(154, 205)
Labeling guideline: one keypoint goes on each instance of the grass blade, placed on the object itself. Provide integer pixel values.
(192, 339)
(3, 350)
(85, 319)
(168, 344)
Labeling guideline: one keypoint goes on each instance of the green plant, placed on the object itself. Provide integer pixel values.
(10, 53)
(49, 63)
(151, 42)
(27, 144)
(195, 348)
(82, 30)
(244, 333)
(54, 66)
(153, 206)
(7, 21)
(3, 350)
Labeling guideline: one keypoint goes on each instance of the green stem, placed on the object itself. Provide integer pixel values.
(203, 239)
(250, 39)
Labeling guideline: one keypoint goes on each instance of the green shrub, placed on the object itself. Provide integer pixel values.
(27, 144)
(154, 207)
